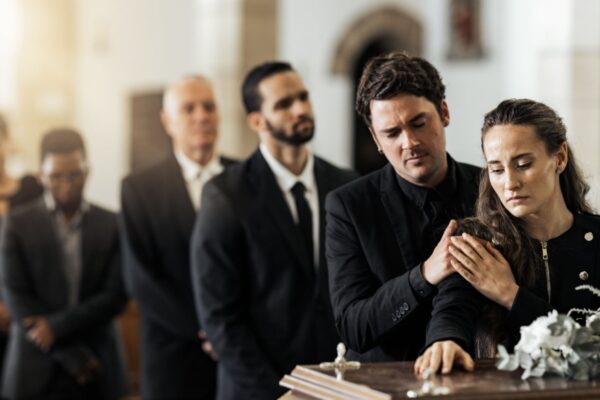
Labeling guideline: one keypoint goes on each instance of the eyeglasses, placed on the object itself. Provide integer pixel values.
(74, 176)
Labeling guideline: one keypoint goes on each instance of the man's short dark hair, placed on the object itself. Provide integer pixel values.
(389, 75)
(250, 94)
(61, 141)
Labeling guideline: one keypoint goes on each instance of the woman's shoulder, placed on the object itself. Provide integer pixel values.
(588, 225)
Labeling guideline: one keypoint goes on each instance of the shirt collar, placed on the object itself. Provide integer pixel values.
(191, 169)
(420, 195)
(285, 178)
(51, 205)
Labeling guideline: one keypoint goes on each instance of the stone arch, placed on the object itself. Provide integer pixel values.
(383, 30)
(394, 27)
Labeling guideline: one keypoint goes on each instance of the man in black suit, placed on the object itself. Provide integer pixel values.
(258, 262)
(385, 248)
(158, 211)
(63, 286)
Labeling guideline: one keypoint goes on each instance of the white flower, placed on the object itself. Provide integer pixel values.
(537, 335)
(591, 318)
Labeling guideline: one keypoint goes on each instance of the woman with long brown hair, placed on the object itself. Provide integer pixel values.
(538, 238)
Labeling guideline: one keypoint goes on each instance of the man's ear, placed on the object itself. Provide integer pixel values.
(374, 137)
(255, 121)
(445, 113)
(164, 118)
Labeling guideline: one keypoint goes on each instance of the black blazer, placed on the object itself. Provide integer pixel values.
(262, 304)
(34, 284)
(380, 300)
(156, 223)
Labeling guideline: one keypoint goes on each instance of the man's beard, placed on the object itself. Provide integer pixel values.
(298, 137)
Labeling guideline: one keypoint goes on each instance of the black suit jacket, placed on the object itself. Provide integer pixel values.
(34, 284)
(157, 219)
(380, 300)
(263, 305)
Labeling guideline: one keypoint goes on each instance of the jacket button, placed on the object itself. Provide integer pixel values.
(583, 275)
(589, 236)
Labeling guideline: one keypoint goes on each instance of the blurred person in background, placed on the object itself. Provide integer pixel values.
(13, 192)
(159, 205)
(61, 276)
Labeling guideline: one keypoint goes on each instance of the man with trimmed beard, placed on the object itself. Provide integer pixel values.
(258, 266)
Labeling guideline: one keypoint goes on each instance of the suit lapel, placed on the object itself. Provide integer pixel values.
(393, 202)
(177, 198)
(53, 256)
(271, 198)
(325, 184)
(89, 242)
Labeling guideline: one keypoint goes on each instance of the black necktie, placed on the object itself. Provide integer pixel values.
(304, 218)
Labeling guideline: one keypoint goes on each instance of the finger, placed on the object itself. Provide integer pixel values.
(449, 229)
(494, 252)
(28, 322)
(476, 245)
(448, 357)
(466, 247)
(459, 257)
(463, 271)
(207, 347)
(417, 366)
(436, 357)
(425, 361)
(463, 358)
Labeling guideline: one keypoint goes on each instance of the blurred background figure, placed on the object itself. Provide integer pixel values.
(13, 192)
(60, 263)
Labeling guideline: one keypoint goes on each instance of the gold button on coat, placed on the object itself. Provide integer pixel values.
(583, 275)
(589, 236)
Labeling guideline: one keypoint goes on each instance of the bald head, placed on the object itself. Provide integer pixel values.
(191, 118)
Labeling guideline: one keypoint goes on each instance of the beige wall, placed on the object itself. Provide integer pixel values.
(45, 67)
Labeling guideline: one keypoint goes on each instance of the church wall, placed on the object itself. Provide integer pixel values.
(532, 48)
(124, 47)
(545, 50)
(311, 50)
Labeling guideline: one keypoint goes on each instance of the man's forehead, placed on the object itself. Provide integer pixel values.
(73, 159)
(280, 85)
(192, 89)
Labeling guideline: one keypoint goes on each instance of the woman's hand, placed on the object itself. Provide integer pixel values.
(485, 268)
(445, 354)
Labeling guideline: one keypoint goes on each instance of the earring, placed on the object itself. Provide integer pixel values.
(379, 150)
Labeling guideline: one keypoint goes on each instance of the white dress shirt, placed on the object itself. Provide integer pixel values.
(69, 236)
(286, 180)
(196, 176)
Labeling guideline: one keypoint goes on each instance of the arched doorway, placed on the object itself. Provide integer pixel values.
(382, 31)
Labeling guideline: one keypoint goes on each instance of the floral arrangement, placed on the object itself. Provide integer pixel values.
(557, 344)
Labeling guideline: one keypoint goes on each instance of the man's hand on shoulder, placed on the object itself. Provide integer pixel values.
(437, 267)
